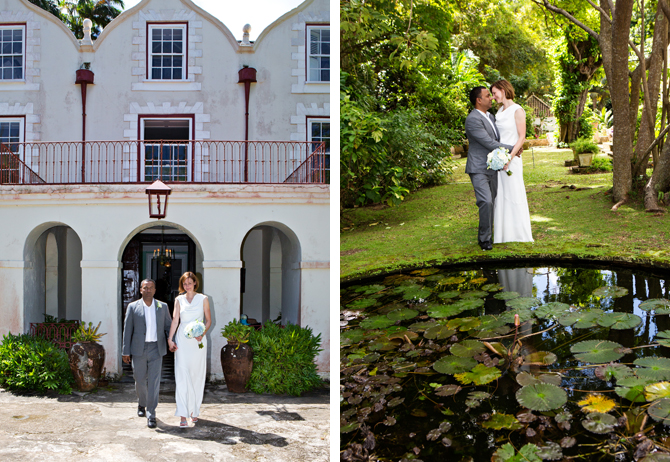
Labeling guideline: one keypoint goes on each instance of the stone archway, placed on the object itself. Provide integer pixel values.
(52, 274)
(271, 257)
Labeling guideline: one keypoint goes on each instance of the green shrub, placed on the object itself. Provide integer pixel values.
(601, 164)
(284, 360)
(586, 123)
(30, 363)
(584, 145)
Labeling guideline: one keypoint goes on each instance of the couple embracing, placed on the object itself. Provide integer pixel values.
(149, 331)
(501, 195)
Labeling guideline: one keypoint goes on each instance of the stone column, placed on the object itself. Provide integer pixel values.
(314, 306)
(101, 302)
(11, 304)
(223, 289)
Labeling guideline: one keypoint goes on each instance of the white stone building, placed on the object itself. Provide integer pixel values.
(166, 92)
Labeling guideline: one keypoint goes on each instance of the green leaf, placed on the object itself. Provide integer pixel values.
(362, 304)
(349, 428)
(453, 364)
(376, 322)
(610, 291)
(552, 310)
(613, 371)
(448, 295)
(541, 397)
(525, 314)
(402, 314)
(660, 411)
(596, 351)
(619, 321)
(632, 389)
(500, 421)
(452, 280)
(473, 294)
(659, 305)
(464, 324)
(582, 319)
(492, 287)
(416, 293)
(422, 326)
(467, 348)
(550, 451)
(469, 303)
(653, 368)
(657, 390)
(506, 295)
(480, 375)
(439, 332)
(444, 311)
(539, 358)
(664, 337)
(369, 290)
(599, 423)
(523, 303)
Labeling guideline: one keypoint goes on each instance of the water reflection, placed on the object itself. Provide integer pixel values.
(519, 280)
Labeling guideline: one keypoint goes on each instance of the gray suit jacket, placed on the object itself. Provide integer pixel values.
(135, 328)
(483, 139)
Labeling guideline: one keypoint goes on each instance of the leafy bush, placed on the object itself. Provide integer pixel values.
(236, 332)
(584, 145)
(87, 334)
(586, 123)
(284, 360)
(601, 164)
(30, 363)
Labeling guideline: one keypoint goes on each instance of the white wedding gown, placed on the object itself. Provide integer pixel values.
(511, 218)
(190, 362)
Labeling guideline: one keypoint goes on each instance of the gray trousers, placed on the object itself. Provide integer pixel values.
(486, 187)
(147, 373)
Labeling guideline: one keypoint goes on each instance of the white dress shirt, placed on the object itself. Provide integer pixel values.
(150, 320)
(495, 130)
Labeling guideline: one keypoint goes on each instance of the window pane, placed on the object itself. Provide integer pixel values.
(325, 75)
(156, 61)
(18, 35)
(314, 48)
(7, 73)
(4, 130)
(18, 46)
(7, 35)
(167, 73)
(167, 34)
(325, 130)
(167, 47)
(156, 34)
(176, 34)
(18, 73)
(6, 61)
(167, 61)
(316, 131)
(325, 48)
(155, 47)
(325, 35)
(14, 129)
(155, 73)
(6, 48)
(18, 61)
(315, 35)
(314, 75)
(176, 47)
(325, 63)
(176, 73)
(176, 61)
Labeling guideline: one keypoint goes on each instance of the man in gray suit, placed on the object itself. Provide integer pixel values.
(483, 137)
(145, 332)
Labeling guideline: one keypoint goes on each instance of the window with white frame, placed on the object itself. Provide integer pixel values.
(11, 133)
(167, 52)
(318, 53)
(166, 150)
(12, 52)
(318, 130)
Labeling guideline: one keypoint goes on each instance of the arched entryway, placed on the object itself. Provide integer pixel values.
(52, 274)
(270, 289)
(162, 252)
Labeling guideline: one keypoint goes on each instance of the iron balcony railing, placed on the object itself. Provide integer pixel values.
(187, 161)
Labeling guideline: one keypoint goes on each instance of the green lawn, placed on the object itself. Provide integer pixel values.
(570, 215)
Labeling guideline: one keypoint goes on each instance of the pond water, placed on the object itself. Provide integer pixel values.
(516, 364)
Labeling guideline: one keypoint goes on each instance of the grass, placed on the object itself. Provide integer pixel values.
(571, 217)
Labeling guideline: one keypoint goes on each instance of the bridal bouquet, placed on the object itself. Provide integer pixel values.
(195, 329)
(497, 159)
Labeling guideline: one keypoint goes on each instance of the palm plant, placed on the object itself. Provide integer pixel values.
(100, 12)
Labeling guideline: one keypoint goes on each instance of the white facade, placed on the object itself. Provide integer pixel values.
(65, 244)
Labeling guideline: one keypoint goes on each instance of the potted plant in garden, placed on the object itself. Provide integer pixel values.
(237, 357)
(583, 150)
(86, 357)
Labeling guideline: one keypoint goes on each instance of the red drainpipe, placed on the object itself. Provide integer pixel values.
(247, 75)
(84, 77)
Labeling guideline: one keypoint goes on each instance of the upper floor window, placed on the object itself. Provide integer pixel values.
(318, 130)
(11, 133)
(167, 52)
(318, 54)
(12, 52)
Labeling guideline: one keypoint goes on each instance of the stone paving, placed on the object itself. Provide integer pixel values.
(103, 426)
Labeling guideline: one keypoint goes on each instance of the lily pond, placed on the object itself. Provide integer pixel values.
(519, 364)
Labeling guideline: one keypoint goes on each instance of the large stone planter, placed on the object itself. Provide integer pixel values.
(86, 361)
(585, 159)
(237, 363)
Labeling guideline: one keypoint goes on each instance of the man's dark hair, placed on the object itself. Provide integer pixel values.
(474, 94)
(148, 280)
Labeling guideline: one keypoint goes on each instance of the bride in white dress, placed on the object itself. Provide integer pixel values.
(511, 218)
(190, 361)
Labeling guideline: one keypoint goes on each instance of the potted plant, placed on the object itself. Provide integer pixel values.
(237, 357)
(583, 150)
(86, 357)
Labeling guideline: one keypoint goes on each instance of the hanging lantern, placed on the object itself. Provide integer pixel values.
(158, 194)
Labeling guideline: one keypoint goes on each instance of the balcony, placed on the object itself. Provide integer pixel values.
(188, 161)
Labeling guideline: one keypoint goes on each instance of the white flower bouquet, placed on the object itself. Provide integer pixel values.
(496, 159)
(195, 329)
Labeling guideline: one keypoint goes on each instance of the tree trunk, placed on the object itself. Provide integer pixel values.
(619, 91)
(659, 181)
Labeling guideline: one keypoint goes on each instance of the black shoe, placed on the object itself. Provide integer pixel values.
(141, 411)
(151, 423)
(485, 245)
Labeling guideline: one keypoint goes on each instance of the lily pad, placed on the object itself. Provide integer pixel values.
(350, 336)
(550, 451)
(663, 338)
(491, 287)
(527, 453)
(474, 294)
(597, 403)
(464, 324)
(599, 423)
(632, 388)
(402, 334)
(619, 321)
(610, 291)
(479, 375)
(453, 364)
(402, 314)
(439, 332)
(523, 302)
(524, 315)
(447, 390)
(444, 311)
(469, 303)
(416, 293)
(659, 305)
(653, 368)
(467, 348)
(449, 294)
(552, 310)
(349, 427)
(541, 397)
(500, 421)
(660, 411)
(582, 319)
(425, 271)
(376, 322)
(452, 280)
(383, 344)
(596, 351)
(361, 304)
(613, 371)
(369, 290)
(539, 358)
(658, 390)
(506, 295)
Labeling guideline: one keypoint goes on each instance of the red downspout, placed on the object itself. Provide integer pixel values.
(84, 77)
(247, 75)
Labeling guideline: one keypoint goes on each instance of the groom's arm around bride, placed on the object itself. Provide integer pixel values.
(483, 137)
